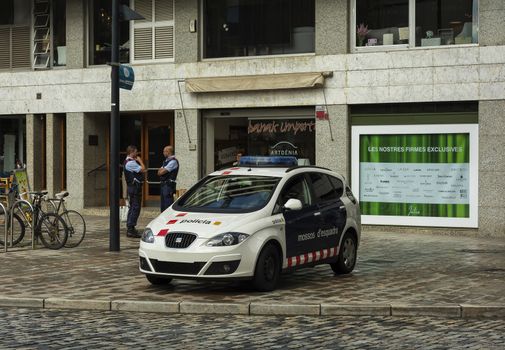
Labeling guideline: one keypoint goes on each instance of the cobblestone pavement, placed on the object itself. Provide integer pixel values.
(35, 329)
(413, 268)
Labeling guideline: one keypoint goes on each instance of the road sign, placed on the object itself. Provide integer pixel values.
(126, 77)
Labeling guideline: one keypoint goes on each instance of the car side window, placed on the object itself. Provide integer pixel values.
(296, 188)
(338, 185)
(323, 188)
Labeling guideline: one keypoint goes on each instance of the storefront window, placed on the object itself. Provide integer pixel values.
(12, 139)
(225, 138)
(234, 28)
(101, 34)
(382, 22)
(59, 32)
(446, 22)
(414, 22)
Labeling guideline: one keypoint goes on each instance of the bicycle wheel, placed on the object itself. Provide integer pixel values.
(76, 228)
(18, 229)
(52, 230)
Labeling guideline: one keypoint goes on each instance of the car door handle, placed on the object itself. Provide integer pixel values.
(317, 213)
(342, 207)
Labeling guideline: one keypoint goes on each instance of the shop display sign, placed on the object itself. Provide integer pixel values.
(420, 175)
(284, 148)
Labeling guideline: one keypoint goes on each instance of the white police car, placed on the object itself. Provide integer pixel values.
(254, 221)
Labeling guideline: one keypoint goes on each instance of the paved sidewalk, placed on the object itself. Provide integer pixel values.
(392, 269)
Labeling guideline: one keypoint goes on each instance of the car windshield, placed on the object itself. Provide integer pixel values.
(231, 193)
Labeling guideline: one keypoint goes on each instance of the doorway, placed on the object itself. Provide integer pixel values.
(150, 133)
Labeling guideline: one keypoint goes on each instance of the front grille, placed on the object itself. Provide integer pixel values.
(179, 239)
(177, 267)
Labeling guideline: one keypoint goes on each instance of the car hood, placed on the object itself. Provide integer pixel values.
(205, 225)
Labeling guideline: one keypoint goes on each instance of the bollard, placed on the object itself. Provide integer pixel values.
(16, 204)
(6, 220)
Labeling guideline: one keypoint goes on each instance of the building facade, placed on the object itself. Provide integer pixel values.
(364, 87)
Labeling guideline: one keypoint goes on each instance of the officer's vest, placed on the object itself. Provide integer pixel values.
(130, 176)
(171, 176)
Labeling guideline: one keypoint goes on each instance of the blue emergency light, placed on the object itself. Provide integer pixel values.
(275, 161)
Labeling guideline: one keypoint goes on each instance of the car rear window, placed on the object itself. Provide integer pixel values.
(231, 193)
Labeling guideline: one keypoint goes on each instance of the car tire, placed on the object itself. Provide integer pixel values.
(268, 269)
(347, 255)
(157, 280)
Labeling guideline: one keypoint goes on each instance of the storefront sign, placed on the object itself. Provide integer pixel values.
(21, 176)
(126, 77)
(422, 175)
(284, 148)
(321, 113)
(288, 127)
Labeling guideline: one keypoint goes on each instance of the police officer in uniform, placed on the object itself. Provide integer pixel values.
(134, 170)
(168, 177)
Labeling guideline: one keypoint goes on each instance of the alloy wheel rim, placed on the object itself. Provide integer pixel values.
(349, 253)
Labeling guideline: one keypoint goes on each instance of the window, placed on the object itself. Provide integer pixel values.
(234, 28)
(15, 40)
(410, 23)
(338, 185)
(446, 22)
(100, 33)
(230, 194)
(323, 189)
(296, 188)
(153, 37)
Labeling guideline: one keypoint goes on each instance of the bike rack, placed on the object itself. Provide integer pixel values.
(5, 226)
(17, 204)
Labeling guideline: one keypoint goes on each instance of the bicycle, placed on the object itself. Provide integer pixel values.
(18, 226)
(75, 222)
(50, 227)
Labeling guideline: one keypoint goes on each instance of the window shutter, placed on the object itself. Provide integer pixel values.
(145, 8)
(164, 42)
(164, 10)
(153, 38)
(5, 59)
(21, 47)
(143, 44)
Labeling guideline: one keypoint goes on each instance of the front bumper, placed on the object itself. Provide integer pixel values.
(197, 261)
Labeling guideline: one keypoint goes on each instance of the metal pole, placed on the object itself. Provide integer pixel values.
(114, 133)
(6, 220)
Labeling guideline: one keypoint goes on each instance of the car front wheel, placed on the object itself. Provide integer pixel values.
(347, 255)
(268, 269)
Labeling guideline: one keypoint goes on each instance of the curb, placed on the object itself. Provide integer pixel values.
(186, 307)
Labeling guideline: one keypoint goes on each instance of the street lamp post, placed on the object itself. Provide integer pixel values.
(126, 14)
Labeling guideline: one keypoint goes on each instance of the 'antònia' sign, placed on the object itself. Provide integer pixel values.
(294, 127)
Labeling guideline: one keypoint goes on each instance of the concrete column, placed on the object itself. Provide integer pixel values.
(87, 188)
(186, 43)
(491, 22)
(34, 151)
(53, 153)
(491, 168)
(187, 153)
(75, 160)
(334, 154)
(331, 27)
(76, 33)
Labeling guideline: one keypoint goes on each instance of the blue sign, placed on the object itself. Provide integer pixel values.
(126, 77)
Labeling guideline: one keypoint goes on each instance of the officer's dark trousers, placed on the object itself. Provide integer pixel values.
(167, 195)
(135, 197)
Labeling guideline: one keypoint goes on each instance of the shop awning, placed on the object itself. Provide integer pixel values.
(257, 82)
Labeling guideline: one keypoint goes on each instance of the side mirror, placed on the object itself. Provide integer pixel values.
(293, 204)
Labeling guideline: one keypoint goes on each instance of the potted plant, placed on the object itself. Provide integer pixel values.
(361, 33)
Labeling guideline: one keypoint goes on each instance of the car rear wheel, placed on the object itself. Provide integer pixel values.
(346, 259)
(157, 280)
(268, 269)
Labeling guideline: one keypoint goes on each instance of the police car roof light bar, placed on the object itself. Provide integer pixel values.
(276, 161)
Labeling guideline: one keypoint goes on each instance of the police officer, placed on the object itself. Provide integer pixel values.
(168, 177)
(134, 170)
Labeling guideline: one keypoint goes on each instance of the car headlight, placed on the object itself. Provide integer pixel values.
(227, 239)
(147, 236)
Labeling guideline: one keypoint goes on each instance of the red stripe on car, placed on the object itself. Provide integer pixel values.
(171, 222)
(163, 232)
